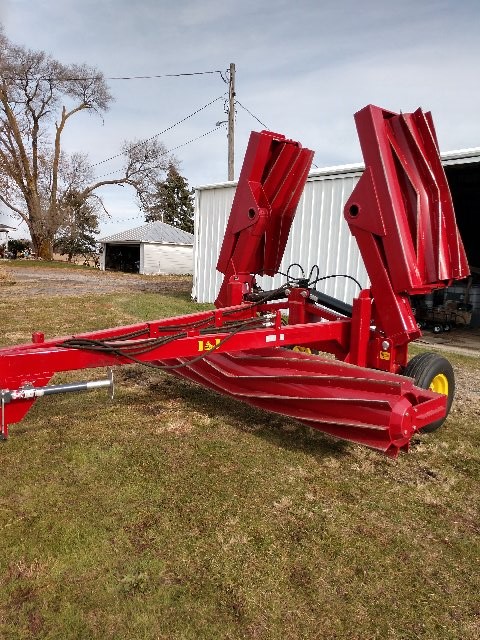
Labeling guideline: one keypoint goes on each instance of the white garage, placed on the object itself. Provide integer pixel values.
(152, 249)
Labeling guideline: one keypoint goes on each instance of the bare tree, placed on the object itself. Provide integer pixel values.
(38, 96)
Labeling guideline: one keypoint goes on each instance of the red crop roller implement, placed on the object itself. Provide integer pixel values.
(402, 217)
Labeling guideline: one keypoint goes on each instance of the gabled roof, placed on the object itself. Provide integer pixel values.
(152, 232)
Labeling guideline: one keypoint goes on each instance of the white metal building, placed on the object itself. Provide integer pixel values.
(153, 248)
(319, 233)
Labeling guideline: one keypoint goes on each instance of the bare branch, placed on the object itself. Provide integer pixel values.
(36, 174)
(13, 208)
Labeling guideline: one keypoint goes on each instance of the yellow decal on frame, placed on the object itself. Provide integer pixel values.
(208, 345)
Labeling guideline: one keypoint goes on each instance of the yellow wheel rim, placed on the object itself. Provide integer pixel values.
(439, 384)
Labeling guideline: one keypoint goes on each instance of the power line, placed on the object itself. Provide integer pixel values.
(184, 144)
(207, 133)
(101, 77)
(253, 115)
(139, 144)
(260, 122)
(138, 216)
(118, 219)
(164, 75)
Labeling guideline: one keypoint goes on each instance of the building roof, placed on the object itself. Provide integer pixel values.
(159, 232)
(460, 156)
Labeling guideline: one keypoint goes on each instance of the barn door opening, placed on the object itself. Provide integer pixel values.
(464, 182)
(122, 257)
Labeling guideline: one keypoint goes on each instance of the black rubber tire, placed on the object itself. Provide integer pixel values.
(437, 328)
(423, 369)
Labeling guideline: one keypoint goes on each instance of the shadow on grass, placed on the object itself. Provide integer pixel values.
(274, 428)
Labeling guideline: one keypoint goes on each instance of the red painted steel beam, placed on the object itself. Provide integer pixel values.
(402, 216)
(404, 202)
(271, 182)
(35, 363)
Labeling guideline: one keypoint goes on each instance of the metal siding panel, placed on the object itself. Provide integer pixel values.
(319, 233)
(151, 263)
(319, 236)
(180, 259)
(212, 207)
(167, 259)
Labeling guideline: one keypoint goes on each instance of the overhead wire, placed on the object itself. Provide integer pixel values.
(155, 77)
(252, 114)
(203, 135)
(259, 121)
(140, 216)
(146, 77)
(139, 144)
(102, 77)
(142, 142)
(184, 144)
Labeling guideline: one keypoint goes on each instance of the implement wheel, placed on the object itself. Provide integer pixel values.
(431, 371)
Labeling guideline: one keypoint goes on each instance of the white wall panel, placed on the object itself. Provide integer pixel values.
(319, 235)
(166, 259)
(319, 232)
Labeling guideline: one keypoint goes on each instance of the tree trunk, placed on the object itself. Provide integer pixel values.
(42, 229)
(42, 245)
(45, 251)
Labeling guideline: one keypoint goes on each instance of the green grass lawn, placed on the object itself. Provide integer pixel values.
(174, 513)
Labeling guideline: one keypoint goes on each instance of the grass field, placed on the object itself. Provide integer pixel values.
(173, 513)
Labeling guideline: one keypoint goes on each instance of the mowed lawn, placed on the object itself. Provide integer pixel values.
(174, 513)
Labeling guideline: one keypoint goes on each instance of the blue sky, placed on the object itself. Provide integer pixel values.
(303, 68)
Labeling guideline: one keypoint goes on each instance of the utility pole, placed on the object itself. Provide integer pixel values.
(231, 122)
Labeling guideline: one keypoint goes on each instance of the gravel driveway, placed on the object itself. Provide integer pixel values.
(42, 281)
